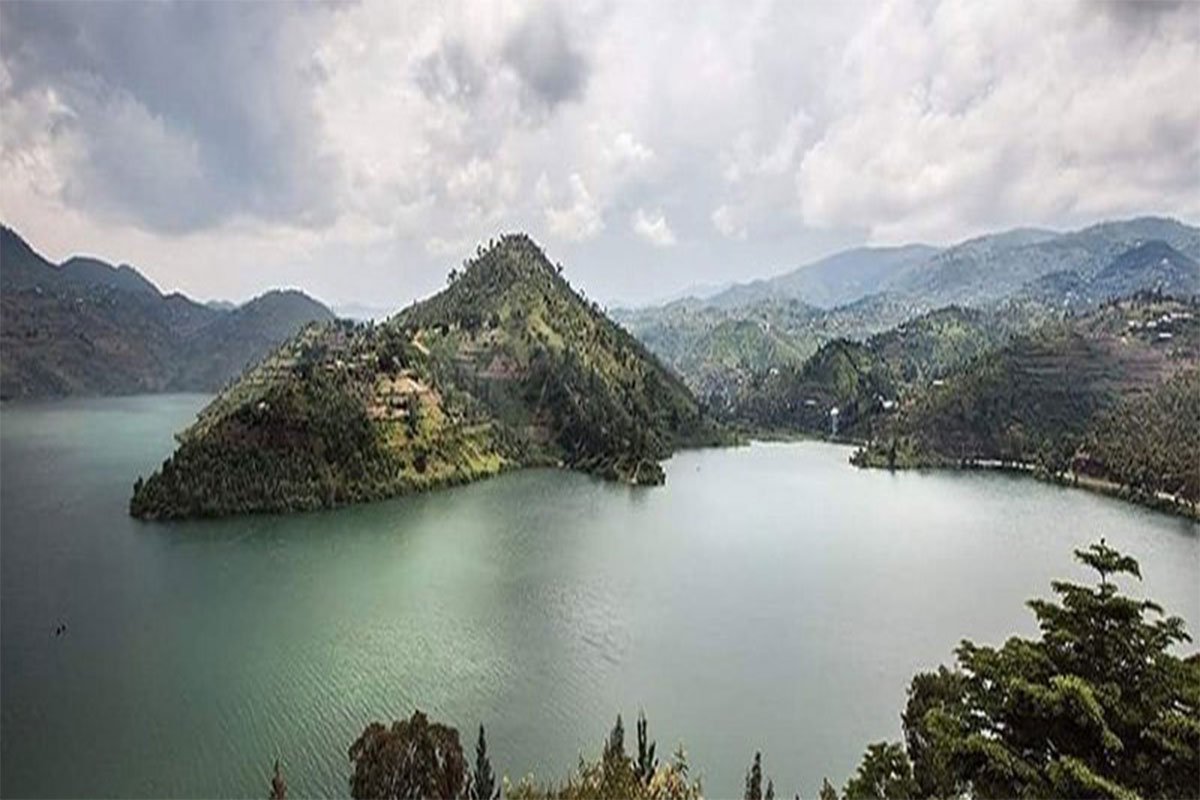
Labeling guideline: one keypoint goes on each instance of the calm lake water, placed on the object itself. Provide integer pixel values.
(769, 597)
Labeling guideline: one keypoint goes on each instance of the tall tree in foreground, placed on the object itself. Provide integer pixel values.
(1098, 706)
(413, 759)
(754, 780)
(884, 774)
(483, 780)
(646, 762)
(614, 775)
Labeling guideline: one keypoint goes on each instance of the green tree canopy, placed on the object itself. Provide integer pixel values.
(1098, 706)
(413, 759)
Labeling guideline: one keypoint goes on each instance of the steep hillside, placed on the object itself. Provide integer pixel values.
(87, 327)
(218, 352)
(865, 381)
(1048, 398)
(506, 367)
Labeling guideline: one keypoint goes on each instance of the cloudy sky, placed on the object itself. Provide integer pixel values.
(361, 150)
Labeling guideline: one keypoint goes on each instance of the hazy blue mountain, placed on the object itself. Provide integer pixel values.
(87, 327)
(1151, 266)
(84, 271)
(839, 279)
(219, 351)
(991, 268)
(1027, 274)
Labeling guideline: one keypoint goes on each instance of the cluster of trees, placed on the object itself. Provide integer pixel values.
(1086, 396)
(299, 436)
(857, 377)
(416, 758)
(304, 444)
(1098, 706)
(1151, 444)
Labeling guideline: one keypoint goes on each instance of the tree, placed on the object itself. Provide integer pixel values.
(613, 776)
(412, 759)
(614, 748)
(754, 780)
(884, 774)
(827, 790)
(278, 784)
(646, 762)
(1097, 706)
(483, 780)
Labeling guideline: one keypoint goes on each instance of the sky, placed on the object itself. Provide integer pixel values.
(360, 150)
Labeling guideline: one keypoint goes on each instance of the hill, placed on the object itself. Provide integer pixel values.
(866, 380)
(1024, 274)
(1093, 395)
(88, 327)
(1153, 266)
(506, 367)
(991, 268)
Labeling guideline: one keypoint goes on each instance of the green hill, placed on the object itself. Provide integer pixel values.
(1103, 394)
(866, 380)
(506, 367)
(1025, 275)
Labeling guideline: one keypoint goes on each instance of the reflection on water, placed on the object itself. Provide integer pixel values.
(769, 597)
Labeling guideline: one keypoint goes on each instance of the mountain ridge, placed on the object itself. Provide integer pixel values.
(88, 327)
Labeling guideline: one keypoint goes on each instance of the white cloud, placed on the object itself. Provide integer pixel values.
(375, 143)
(728, 221)
(627, 152)
(580, 219)
(653, 228)
(954, 119)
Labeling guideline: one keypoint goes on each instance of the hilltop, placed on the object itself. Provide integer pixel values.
(506, 367)
(88, 327)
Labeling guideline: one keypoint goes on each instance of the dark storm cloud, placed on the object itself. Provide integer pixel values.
(540, 50)
(1139, 13)
(451, 72)
(184, 114)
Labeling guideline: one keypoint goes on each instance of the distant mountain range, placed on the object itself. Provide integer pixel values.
(834, 281)
(88, 327)
(721, 341)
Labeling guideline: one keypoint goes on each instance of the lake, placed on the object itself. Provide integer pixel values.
(768, 597)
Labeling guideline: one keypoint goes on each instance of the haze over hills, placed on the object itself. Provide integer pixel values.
(87, 327)
(1032, 272)
(830, 282)
(506, 367)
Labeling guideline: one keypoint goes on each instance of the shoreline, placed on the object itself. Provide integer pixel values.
(1162, 502)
